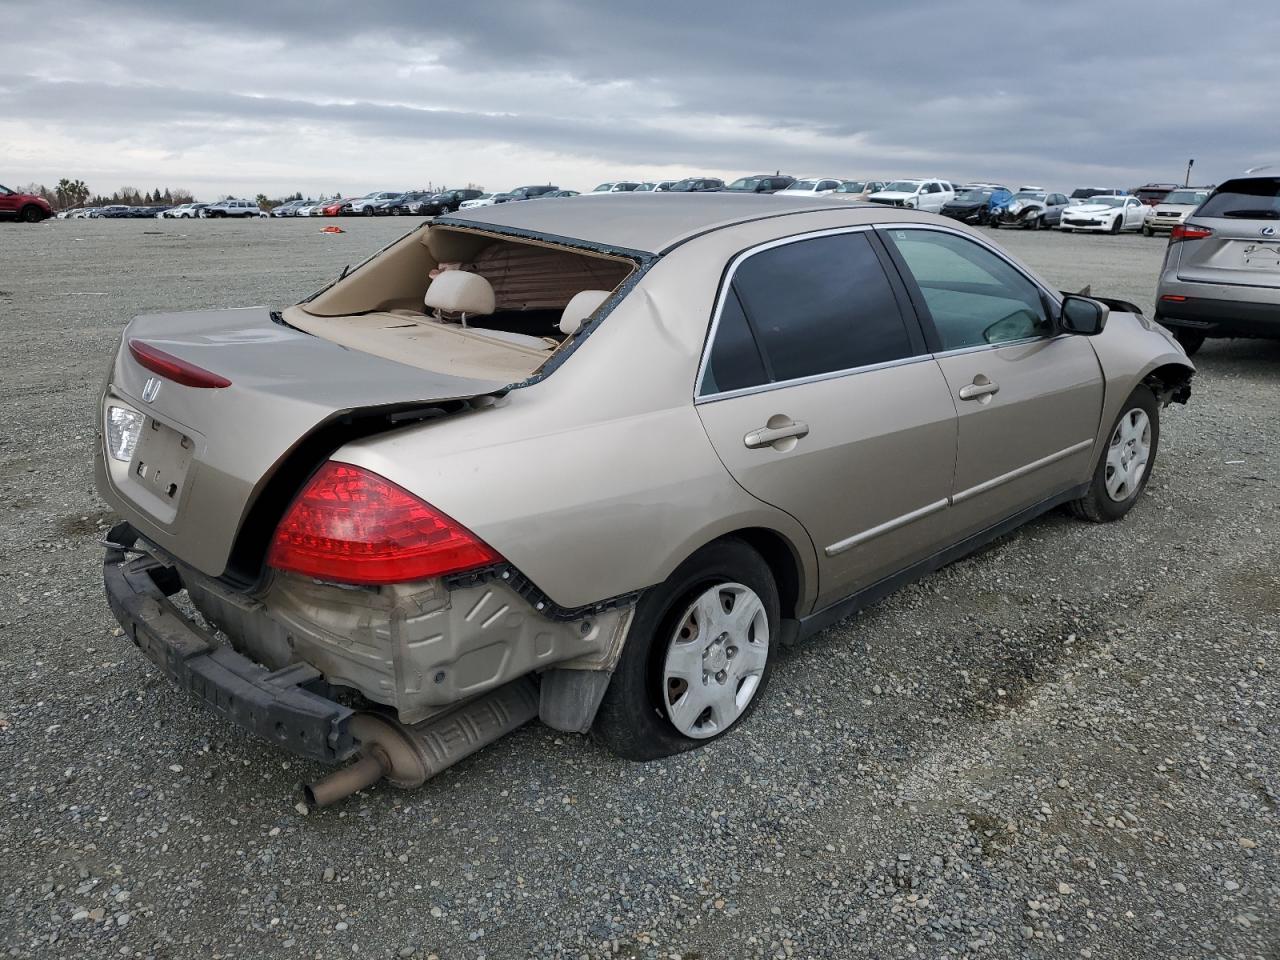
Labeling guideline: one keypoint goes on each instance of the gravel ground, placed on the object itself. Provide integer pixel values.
(1064, 746)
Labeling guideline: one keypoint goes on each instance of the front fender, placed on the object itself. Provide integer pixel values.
(1130, 351)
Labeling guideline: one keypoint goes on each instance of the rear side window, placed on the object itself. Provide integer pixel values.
(734, 362)
(811, 307)
(1254, 198)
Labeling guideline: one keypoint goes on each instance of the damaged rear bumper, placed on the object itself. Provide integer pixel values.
(275, 705)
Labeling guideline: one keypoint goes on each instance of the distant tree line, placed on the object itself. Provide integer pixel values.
(69, 194)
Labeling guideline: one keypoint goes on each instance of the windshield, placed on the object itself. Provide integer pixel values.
(851, 186)
(644, 187)
(603, 188)
(1255, 198)
(1105, 202)
(973, 196)
(685, 185)
(1188, 197)
(744, 183)
(1028, 195)
(902, 186)
(803, 185)
(4, 189)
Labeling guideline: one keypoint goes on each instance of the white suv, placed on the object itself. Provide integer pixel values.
(233, 208)
(928, 195)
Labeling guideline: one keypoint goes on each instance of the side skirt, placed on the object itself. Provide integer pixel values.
(877, 591)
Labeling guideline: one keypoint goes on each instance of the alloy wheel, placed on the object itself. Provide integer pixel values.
(715, 660)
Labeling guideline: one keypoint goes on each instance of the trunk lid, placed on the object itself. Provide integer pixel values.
(213, 463)
(1239, 252)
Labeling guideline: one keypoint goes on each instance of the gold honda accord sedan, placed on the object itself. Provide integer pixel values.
(595, 461)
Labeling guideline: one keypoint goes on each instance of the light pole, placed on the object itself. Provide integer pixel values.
(1190, 163)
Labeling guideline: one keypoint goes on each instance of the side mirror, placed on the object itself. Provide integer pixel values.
(1083, 316)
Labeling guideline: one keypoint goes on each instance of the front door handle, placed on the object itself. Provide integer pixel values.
(979, 389)
(767, 436)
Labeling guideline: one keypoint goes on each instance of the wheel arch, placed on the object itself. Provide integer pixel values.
(1170, 382)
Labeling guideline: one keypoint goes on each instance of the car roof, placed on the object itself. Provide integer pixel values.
(643, 222)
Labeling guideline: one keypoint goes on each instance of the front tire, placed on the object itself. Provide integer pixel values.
(32, 214)
(1125, 466)
(1116, 226)
(1148, 232)
(698, 656)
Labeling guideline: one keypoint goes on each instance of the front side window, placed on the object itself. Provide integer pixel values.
(974, 297)
(810, 307)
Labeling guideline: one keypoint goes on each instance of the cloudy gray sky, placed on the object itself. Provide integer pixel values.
(242, 96)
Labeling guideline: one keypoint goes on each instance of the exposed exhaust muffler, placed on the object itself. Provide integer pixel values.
(408, 756)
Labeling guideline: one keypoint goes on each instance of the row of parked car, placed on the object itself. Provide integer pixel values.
(1088, 209)
(1151, 209)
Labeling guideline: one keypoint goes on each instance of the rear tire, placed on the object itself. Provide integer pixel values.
(683, 627)
(31, 214)
(1126, 462)
(1189, 340)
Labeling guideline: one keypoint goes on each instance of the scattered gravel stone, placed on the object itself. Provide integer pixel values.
(1065, 745)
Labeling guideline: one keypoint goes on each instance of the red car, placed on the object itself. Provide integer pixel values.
(333, 208)
(23, 206)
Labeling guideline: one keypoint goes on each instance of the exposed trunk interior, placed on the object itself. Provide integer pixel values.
(379, 308)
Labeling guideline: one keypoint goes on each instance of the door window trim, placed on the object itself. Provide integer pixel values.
(923, 314)
(901, 295)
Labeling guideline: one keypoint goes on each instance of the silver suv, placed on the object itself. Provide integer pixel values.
(233, 208)
(1221, 274)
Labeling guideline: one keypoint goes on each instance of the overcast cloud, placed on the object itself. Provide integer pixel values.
(233, 96)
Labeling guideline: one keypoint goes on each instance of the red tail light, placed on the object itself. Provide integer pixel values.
(350, 525)
(1183, 232)
(173, 368)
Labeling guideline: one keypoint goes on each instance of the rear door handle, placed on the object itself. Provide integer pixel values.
(981, 387)
(767, 436)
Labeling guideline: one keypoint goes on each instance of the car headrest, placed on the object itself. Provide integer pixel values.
(582, 305)
(457, 291)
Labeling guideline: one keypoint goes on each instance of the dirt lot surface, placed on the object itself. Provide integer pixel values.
(1067, 745)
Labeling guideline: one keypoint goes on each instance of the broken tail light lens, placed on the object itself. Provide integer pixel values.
(174, 368)
(1184, 232)
(350, 525)
(124, 426)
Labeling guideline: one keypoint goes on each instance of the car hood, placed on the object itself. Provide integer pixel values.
(892, 195)
(1091, 208)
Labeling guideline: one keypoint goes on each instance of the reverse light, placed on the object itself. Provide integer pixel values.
(351, 525)
(124, 426)
(1184, 232)
(174, 368)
